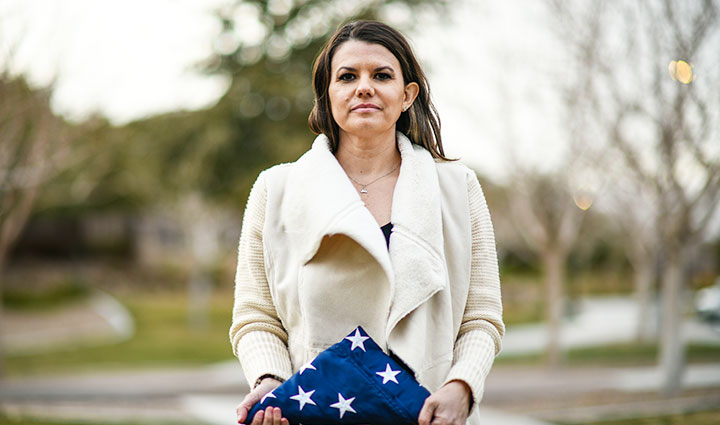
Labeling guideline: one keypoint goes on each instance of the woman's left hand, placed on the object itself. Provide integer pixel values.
(449, 405)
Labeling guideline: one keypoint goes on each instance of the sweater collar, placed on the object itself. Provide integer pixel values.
(321, 201)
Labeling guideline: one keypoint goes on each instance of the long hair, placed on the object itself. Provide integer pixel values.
(420, 123)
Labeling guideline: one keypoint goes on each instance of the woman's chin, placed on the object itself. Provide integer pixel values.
(368, 129)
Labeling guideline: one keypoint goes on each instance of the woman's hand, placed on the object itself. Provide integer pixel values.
(269, 416)
(449, 405)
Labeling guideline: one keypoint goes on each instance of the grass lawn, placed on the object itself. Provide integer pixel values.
(711, 417)
(524, 293)
(617, 355)
(162, 339)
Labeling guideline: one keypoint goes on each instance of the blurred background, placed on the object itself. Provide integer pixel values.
(131, 132)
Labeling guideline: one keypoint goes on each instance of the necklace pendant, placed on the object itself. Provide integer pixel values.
(363, 190)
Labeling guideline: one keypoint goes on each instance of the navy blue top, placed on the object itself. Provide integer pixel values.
(386, 229)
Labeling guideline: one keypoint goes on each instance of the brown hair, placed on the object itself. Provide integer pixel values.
(420, 123)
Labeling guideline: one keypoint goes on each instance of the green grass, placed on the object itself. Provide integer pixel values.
(523, 293)
(521, 298)
(60, 293)
(711, 417)
(618, 355)
(162, 339)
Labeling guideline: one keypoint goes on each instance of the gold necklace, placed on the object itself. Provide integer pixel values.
(363, 189)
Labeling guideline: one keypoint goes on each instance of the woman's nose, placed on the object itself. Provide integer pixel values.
(365, 87)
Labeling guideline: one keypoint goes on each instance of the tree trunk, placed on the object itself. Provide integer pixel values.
(199, 291)
(554, 271)
(203, 234)
(672, 344)
(16, 215)
(644, 274)
(2, 347)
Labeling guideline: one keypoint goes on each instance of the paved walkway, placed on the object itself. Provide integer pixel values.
(98, 320)
(220, 410)
(599, 321)
(209, 394)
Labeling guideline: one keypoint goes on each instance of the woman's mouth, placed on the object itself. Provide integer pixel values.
(365, 107)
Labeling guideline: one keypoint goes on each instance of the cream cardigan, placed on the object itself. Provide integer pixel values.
(313, 264)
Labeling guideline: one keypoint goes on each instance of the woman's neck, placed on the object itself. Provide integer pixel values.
(365, 158)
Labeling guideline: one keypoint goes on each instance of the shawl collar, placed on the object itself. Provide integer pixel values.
(321, 200)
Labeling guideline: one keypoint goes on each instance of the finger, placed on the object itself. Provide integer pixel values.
(241, 412)
(258, 419)
(245, 404)
(268, 416)
(284, 421)
(269, 419)
(251, 399)
(277, 416)
(426, 413)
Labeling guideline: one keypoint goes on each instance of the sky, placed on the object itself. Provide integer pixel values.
(488, 66)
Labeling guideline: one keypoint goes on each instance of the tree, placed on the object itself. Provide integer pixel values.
(664, 130)
(32, 149)
(266, 50)
(549, 221)
(639, 226)
(209, 159)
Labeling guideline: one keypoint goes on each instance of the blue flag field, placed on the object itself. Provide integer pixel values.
(352, 382)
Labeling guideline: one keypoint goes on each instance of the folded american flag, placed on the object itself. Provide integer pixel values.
(352, 382)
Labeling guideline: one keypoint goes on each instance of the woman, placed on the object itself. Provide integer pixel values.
(373, 226)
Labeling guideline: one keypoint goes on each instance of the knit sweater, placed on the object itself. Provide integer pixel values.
(260, 338)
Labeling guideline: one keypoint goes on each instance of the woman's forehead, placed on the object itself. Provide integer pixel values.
(359, 54)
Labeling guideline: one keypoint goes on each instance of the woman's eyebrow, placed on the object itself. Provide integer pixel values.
(380, 68)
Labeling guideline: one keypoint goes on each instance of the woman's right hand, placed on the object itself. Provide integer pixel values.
(269, 416)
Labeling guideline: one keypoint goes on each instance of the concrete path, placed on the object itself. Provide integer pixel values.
(207, 394)
(98, 320)
(220, 410)
(210, 394)
(517, 382)
(597, 322)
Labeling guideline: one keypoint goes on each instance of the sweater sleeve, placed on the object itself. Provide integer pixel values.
(257, 335)
(482, 328)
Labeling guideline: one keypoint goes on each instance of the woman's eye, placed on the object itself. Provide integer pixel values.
(346, 77)
(383, 76)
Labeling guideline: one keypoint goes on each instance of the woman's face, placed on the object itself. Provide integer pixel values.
(367, 92)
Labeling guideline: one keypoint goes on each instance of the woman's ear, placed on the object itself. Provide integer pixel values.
(411, 92)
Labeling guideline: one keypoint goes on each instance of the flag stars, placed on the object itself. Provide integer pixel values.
(306, 366)
(267, 395)
(303, 397)
(389, 374)
(357, 340)
(343, 405)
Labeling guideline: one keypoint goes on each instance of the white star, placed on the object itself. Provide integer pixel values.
(303, 397)
(307, 365)
(357, 340)
(268, 395)
(343, 405)
(389, 374)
